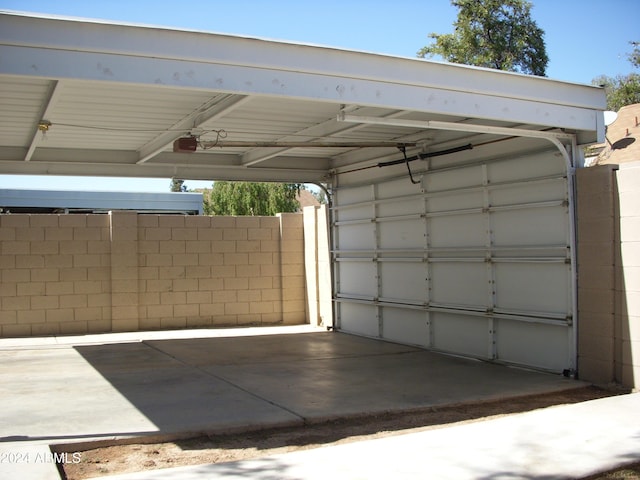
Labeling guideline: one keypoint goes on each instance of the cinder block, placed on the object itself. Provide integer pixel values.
(59, 288)
(294, 318)
(271, 294)
(159, 311)
(148, 273)
(597, 347)
(236, 308)
(197, 221)
(596, 277)
(168, 272)
(595, 301)
(173, 322)
(199, 271)
(7, 235)
(293, 270)
(160, 285)
(211, 309)
(120, 299)
(124, 273)
(595, 179)
(158, 260)
(57, 234)
(30, 261)
(98, 326)
(185, 284)
(224, 296)
(43, 220)
(248, 222)
(186, 310)
(629, 327)
(75, 220)
(252, 271)
(74, 247)
(14, 220)
(7, 261)
(124, 286)
(44, 248)
(210, 284)
(16, 331)
(290, 220)
(260, 234)
(148, 221)
(173, 298)
(31, 316)
(236, 283)
(172, 246)
(88, 314)
(91, 234)
(198, 246)
(58, 261)
(248, 296)
(125, 312)
(270, 270)
(87, 260)
(223, 222)
(223, 246)
(11, 275)
(148, 246)
(223, 271)
(260, 307)
(599, 230)
(42, 329)
(290, 258)
(124, 325)
(8, 317)
(236, 259)
(45, 302)
(630, 352)
(149, 324)
(27, 234)
(73, 301)
(595, 371)
(248, 246)
(186, 259)
(272, 223)
(123, 219)
(8, 289)
(628, 178)
(271, 318)
(99, 274)
(210, 234)
(73, 274)
(184, 233)
(31, 288)
(292, 246)
(595, 254)
(149, 298)
(75, 328)
(157, 234)
(197, 297)
(171, 221)
(629, 203)
(261, 258)
(98, 220)
(60, 315)
(15, 248)
(234, 234)
(98, 300)
(123, 234)
(293, 306)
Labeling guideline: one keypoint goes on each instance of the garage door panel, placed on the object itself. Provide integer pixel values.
(461, 334)
(460, 201)
(358, 278)
(523, 193)
(356, 237)
(405, 326)
(415, 206)
(527, 227)
(405, 234)
(521, 343)
(526, 167)
(463, 177)
(459, 283)
(457, 231)
(404, 281)
(358, 318)
(533, 287)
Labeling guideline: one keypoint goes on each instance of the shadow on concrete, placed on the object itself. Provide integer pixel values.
(218, 385)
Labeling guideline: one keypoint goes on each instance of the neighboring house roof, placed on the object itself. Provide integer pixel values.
(623, 138)
(307, 199)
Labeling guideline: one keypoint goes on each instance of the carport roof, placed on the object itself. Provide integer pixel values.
(86, 97)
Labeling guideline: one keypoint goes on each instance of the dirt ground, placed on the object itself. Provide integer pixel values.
(226, 448)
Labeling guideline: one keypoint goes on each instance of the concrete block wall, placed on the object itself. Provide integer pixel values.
(627, 318)
(608, 213)
(71, 274)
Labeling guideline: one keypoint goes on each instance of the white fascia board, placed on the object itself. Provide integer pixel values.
(57, 48)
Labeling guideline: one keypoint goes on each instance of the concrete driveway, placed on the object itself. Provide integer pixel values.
(175, 384)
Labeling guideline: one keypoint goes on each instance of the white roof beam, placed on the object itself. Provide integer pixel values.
(52, 98)
(212, 111)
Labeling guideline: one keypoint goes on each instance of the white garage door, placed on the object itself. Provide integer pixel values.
(474, 260)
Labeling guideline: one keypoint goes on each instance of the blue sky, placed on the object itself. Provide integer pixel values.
(584, 38)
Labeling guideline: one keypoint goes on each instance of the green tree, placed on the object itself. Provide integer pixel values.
(251, 198)
(622, 90)
(496, 34)
(177, 185)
